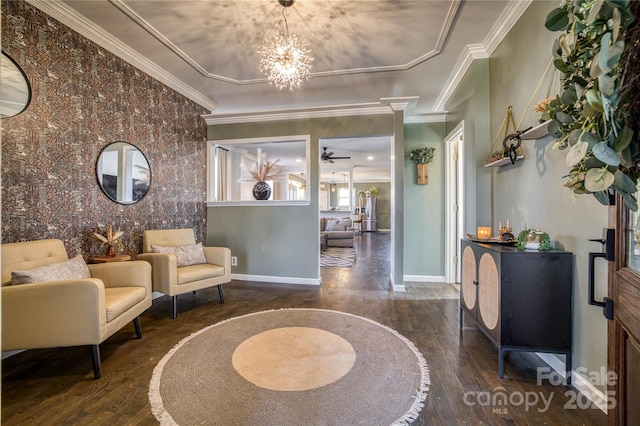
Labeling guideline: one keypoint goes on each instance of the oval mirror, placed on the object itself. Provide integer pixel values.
(123, 173)
(15, 90)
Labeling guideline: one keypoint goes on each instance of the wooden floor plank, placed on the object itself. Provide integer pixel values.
(56, 386)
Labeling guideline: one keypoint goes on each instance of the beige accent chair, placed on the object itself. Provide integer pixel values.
(171, 280)
(73, 312)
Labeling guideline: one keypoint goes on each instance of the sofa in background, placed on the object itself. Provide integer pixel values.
(67, 311)
(338, 230)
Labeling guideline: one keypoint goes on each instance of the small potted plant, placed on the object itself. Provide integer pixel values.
(421, 157)
(534, 239)
(109, 238)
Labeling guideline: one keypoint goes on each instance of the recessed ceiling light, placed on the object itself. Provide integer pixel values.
(298, 160)
(393, 157)
(369, 158)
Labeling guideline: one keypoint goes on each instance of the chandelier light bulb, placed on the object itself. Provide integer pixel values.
(286, 60)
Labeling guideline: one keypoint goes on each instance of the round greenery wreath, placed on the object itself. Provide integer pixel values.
(589, 116)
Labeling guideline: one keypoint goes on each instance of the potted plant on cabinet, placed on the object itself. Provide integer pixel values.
(534, 239)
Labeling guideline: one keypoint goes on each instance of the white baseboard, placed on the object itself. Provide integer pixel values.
(581, 384)
(273, 279)
(394, 287)
(425, 278)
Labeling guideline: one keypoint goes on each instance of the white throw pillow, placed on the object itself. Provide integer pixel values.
(334, 225)
(71, 269)
(192, 254)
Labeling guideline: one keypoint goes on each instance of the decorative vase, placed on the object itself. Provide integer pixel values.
(261, 191)
(111, 251)
(423, 173)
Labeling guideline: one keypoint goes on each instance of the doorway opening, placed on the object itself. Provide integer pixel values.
(454, 201)
(355, 175)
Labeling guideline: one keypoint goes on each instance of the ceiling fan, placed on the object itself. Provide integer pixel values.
(328, 156)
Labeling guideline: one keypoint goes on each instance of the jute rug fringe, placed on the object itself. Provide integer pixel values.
(411, 415)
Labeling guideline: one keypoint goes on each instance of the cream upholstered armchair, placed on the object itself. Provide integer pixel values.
(51, 301)
(180, 265)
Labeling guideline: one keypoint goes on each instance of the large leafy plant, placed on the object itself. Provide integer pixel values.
(588, 117)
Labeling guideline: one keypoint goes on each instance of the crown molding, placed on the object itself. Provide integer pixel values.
(470, 53)
(436, 117)
(78, 23)
(384, 106)
(512, 12)
(399, 106)
(505, 22)
(212, 119)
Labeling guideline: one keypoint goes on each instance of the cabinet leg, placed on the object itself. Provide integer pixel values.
(460, 316)
(568, 367)
(500, 363)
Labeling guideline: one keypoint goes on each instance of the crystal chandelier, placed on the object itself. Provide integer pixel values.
(286, 58)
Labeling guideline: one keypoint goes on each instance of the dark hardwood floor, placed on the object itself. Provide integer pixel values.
(56, 386)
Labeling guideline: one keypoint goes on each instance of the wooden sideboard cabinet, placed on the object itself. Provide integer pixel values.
(520, 299)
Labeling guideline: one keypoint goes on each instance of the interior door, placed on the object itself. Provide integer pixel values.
(454, 196)
(624, 328)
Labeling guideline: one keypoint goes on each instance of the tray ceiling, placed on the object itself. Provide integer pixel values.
(367, 53)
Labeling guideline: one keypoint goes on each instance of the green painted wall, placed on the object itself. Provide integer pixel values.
(424, 204)
(283, 241)
(474, 111)
(531, 193)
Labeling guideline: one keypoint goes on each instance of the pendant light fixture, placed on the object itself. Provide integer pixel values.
(286, 58)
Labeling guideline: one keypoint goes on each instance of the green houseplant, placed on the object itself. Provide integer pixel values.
(421, 157)
(531, 235)
(589, 117)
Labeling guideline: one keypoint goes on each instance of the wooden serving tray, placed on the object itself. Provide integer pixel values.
(491, 240)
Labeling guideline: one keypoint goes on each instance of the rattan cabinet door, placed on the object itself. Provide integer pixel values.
(488, 291)
(468, 278)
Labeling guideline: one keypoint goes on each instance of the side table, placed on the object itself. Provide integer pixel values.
(323, 242)
(108, 259)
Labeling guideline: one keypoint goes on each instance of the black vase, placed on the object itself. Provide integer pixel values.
(261, 191)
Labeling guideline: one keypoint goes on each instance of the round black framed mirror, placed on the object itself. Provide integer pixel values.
(123, 172)
(15, 90)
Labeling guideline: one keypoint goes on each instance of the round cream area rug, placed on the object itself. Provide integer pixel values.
(291, 367)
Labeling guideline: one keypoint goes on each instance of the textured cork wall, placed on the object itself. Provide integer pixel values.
(83, 99)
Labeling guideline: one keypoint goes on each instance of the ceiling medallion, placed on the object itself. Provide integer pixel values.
(286, 58)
